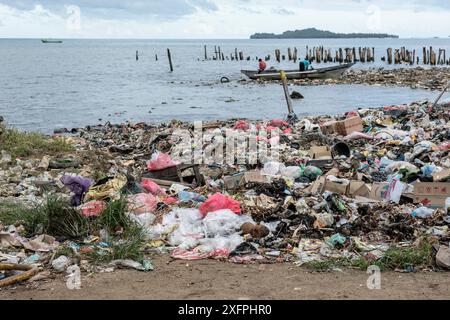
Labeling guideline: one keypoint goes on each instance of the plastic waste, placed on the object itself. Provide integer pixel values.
(278, 123)
(108, 189)
(93, 208)
(142, 203)
(186, 196)
(78, 185)
(241, 125)
(160, 161)
(428, 169)
(336, 239)
(312, 172)
(423, 212)
(145, 219)
(60, 264)
(271, 168)
(291, 172)
(151, 187)
(219, 201)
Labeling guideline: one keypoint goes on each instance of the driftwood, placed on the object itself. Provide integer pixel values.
(29, 272)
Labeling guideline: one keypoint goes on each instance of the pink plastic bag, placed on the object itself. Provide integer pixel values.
(160, 161)
(93, 208)
(278, 123)
(219, 201)
(241, 125)
(142, 203)
(152, 187)
(358, 136)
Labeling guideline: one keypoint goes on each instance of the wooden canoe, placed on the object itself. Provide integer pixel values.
(322, 73)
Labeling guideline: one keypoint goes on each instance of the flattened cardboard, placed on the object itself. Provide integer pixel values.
(358, 188)
(320, 153)
(441, 176)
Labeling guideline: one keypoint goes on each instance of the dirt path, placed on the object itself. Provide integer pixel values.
(217, 280)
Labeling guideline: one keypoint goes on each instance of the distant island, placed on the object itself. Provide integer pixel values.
(313, 33)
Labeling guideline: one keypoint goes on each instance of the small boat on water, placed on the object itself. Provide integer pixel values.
(51, 41)
(322, 73)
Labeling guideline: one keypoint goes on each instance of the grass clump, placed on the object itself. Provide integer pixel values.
(129, 245)
(114, 217)
(407, 257)
(54, 216)
(22, 144)
(404, 258)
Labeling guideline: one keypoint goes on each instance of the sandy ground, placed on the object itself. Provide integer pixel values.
(209, 279)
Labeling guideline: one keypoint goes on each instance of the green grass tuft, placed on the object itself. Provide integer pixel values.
(22, 144)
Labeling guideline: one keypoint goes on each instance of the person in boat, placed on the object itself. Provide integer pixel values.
(262, 65)
(305, 65)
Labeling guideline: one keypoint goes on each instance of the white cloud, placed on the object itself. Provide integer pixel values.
(223, 19)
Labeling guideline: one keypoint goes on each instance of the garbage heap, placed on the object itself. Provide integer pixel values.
(358, 188)
(435, 78)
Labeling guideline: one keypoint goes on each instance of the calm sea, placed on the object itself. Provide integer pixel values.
(81, 82)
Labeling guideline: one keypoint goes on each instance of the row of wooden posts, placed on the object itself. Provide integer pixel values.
(429, 56)
(342, 55)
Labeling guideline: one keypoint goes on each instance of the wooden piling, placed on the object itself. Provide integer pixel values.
(424, 59)
(156, 57)
(289, 54)
(170, 59)
(389, 54)
(137, 55)
(206, 53)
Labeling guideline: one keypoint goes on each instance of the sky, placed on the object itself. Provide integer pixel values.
(218, 19)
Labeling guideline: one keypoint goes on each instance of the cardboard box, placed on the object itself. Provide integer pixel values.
(329, 127)
(335, 187)
(350, 125)
(379, 191)
(431, 194)
(358, 188)
(320, 153)
(352, 189)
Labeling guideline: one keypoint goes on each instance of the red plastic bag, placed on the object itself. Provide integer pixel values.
(160, 161)
(93, 208)
(142, 203)
(151, 187)
(278, 123)
(242, 125)
(219, 201)
(170, 200)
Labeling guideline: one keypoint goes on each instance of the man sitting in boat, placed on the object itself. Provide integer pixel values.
(304, 65)
(262, 65)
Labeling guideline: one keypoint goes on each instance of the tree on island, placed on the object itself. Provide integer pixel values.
(313, 33)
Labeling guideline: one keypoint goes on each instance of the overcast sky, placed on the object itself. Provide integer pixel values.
(218, 18)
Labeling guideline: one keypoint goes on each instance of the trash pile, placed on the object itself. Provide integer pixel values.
(352, 187)
(415, 78)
